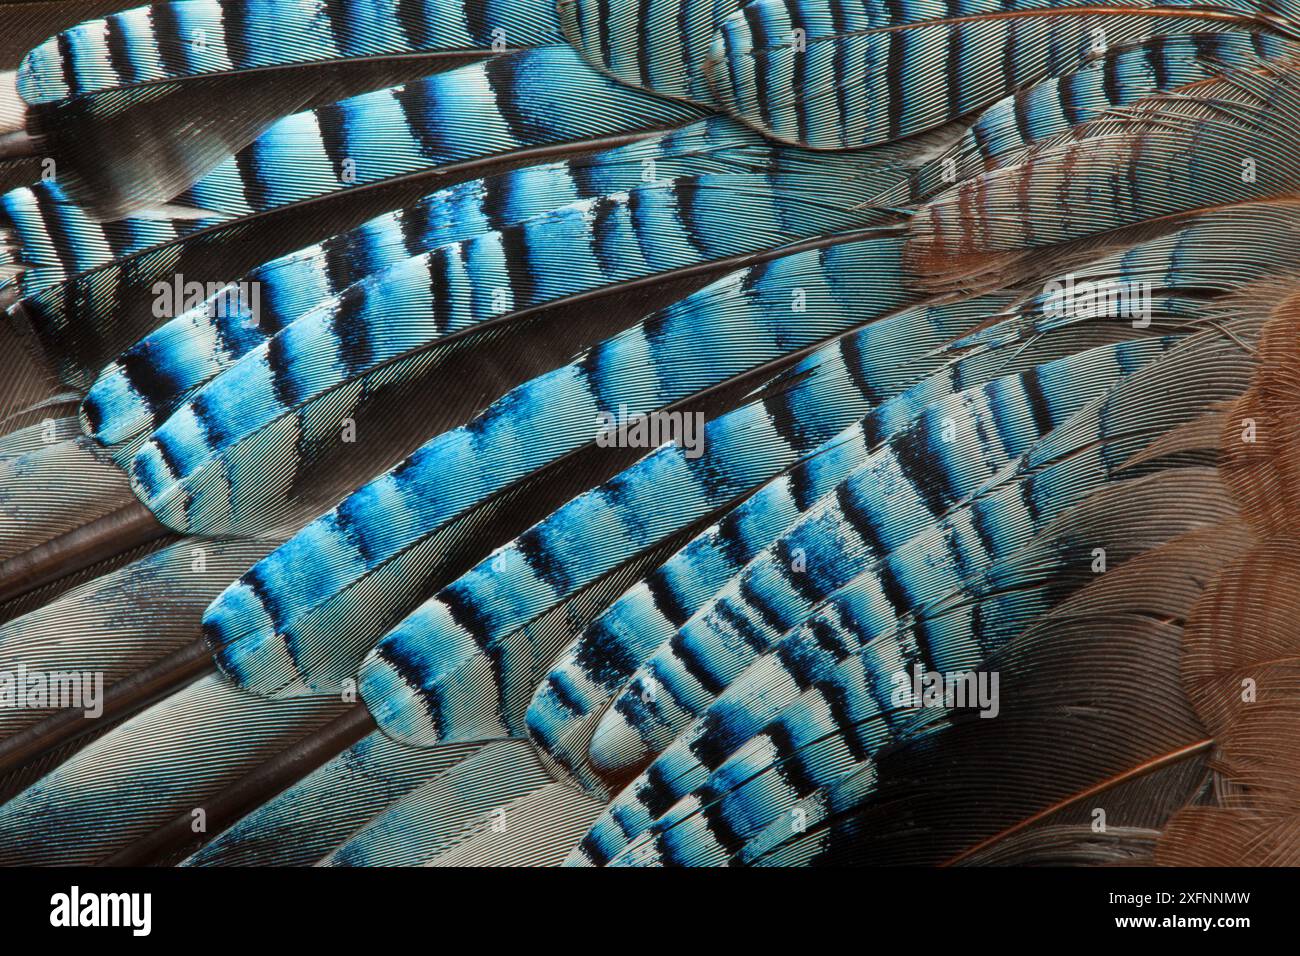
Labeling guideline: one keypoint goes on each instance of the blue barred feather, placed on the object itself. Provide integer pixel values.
(955, 449)
(715, 761)
(534, 100)
(1121, 77)
(277, 625)
(790, 186)
(185, 39)
(1217, 145)
(1196, 258)
(914, 434)
(860, 86)
(832, 684)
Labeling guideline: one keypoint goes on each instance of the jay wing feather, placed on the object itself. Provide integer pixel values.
(843, 239)
(866, 792)
(1208, 142)
(103, 88)
(392, 327)
(850, 87)
(884, 359)
(148, 380)
(856, 531)
(309, 176)
(189, 40)
(812, 691)
(370, 540)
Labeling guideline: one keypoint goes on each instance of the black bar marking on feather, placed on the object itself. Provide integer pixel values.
(255, 191)
(332, 121)
(119, 57)
(709, 746)
(477, 22)
(866, 528)
(1038, 406)
(840, 55)
(412, 99)
(788, 766)
(604, 231)
(686, 193)
(803, 488)
(855, 360)
(67, 55)
(234, 20)
(799, 66)
(57, 228)
(603, 656)
(842, 713)
(279, 360)
(1207, 46)
(416, 222)
(795, 658)
(982, 531)
(342, 263)
(519, 267)
(209, 418)
(345, 520)
(956, 44)
(1020, 110)
(644, 13)
(350, 328)
(440, 286)
(730, 59)
(656, 796)
(1009, 46)
(785, 420)
(417, 26)
(1155, 57)
(667, 601)
(800, 582)
(761, 45)
(1110, 78)
(719, 822)
(1066, 94)
(509, 84)
(543, 562)
(757, 600)
(496, 201)
(466, 612)
(344, 31)
(167, 28)
(604, 24)
(559, 689)
(686, 654)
